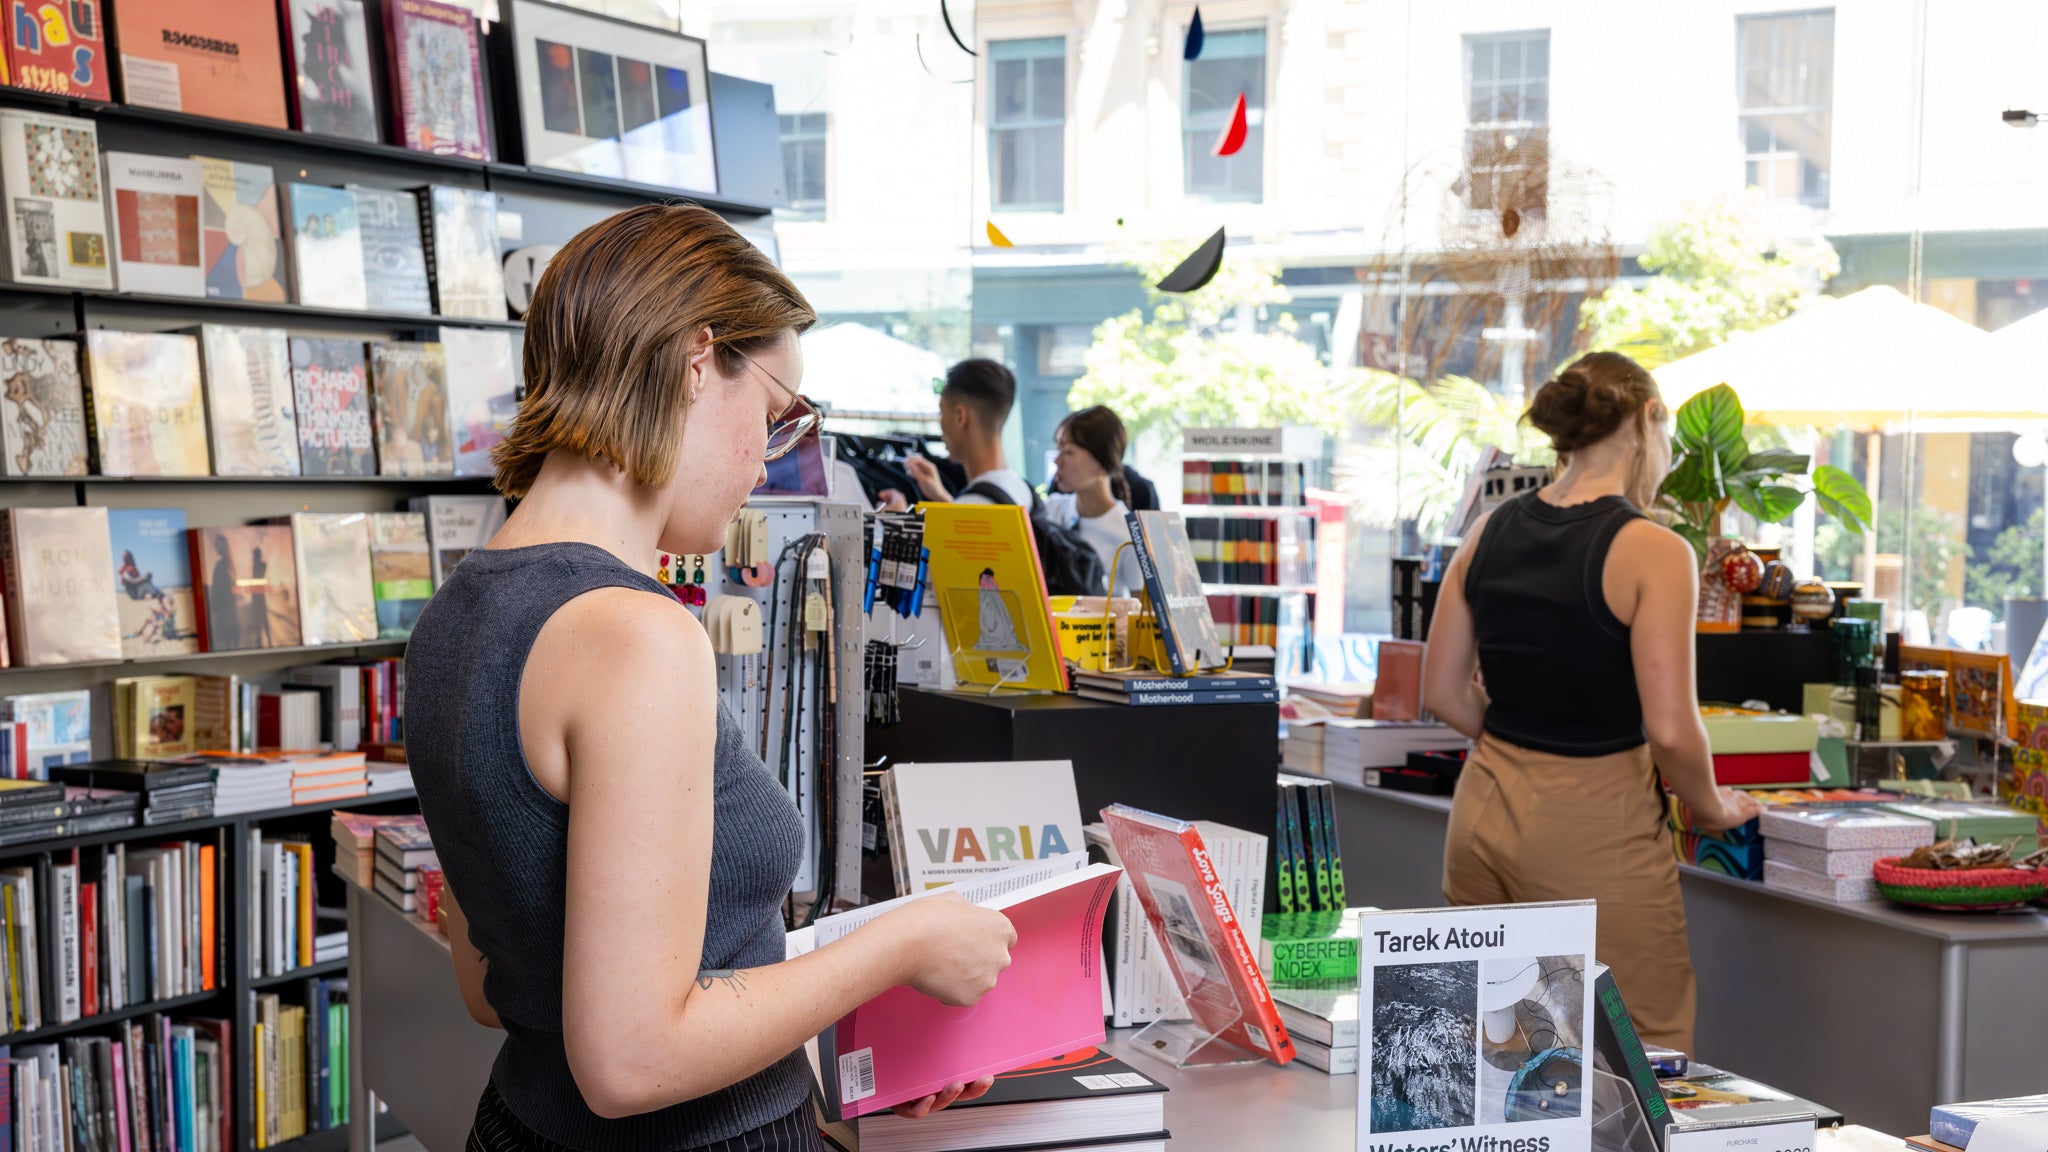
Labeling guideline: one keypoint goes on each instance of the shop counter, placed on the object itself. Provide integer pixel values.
(1881, 1011)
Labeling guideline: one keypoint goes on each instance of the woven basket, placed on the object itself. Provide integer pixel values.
(1965, 890)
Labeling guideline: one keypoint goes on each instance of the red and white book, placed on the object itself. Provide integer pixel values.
(1184, 900)
(903, 1045)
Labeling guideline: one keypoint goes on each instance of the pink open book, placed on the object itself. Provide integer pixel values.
(903, 1044)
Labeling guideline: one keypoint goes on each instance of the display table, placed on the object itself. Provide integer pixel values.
(1880, 1011)
(412, 1044)
(1248, 1105)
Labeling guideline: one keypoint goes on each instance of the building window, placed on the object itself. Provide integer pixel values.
(1786, 68)
(803, 160)
(1027, 124)
(1507, 101)
(1232, 61)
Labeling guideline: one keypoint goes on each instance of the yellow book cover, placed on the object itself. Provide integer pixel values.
(991, 593)
(15, 1011)
(262, 1125)
(303, 899)
(163, 717)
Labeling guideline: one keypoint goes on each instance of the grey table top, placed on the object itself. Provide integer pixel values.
(1949, 927)
(1251, 1105)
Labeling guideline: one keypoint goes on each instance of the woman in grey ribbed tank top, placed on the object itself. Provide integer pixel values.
(618, 853)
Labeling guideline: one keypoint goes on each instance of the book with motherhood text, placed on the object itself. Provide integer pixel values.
(437, 72)
(55, 216)
(1475, 1026)
(333, 87)
(59, 586)
(1215, 966)
(144, 403)
(948, 822)
(251, 417)
(241, 238)
(42, 409)
(394, 257)
(462, 251)
(327, 247)
(152, 582)
(483, 385)
(156, 223)
(410, 382)
(902, 1044)
(217, 58)
(1186, 629)
(248, 586)
(991, 593)
(331, 392)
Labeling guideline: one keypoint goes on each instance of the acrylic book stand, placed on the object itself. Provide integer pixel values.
(1192, 1043)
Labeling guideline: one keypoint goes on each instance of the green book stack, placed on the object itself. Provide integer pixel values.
(1310, 949)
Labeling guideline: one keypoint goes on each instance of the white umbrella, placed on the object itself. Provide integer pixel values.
(851, 368)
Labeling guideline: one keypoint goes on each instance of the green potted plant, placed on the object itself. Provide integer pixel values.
(1712, 467)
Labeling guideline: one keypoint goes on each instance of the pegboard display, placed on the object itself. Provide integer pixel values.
(776, 689)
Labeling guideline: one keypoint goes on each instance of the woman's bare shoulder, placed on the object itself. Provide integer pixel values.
(1649, 546)
(612, 634)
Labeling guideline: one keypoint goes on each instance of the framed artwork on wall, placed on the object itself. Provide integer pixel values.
(605, 97)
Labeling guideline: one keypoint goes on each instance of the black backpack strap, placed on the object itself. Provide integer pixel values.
(991, 493)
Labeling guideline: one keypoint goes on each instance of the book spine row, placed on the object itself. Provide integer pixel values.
(1244, 483)
(281, 903)
(1236, 551)
(300, 1056)
(1246, 619)
(87, 932)
(152, 1085)
(1307, 862)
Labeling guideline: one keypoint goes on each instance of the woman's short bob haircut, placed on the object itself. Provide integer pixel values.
(610, 332)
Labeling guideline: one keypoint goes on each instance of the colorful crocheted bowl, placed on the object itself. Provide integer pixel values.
(1965, 890)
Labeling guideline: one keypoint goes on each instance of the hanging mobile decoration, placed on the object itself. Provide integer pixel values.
(1198, 269)
(1192, 49)
(947, 16)
(1232, 138)
(996, 237)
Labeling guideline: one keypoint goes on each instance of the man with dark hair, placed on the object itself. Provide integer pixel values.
(973, 407)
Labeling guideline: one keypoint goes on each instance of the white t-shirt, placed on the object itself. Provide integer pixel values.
(1103, 533)
(1006, 479)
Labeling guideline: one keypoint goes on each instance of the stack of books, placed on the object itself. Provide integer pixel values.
(1308, 855)
(1829, 851)
(385, 777)
(1355, 750)
(1084, 1099)
(326, 777)
(1153, 688)
(249, 781)
(288, 718)
(32, 810)
(1302, 751)
(355, 842)
(100, 810)
(1323, 1023)
(170, 791)
(402, 851)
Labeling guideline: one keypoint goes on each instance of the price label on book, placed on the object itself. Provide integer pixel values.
(1765, 1134)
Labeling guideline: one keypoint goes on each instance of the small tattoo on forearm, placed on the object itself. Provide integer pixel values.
(735, 980)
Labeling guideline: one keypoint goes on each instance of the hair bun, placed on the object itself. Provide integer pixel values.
(1587, 401)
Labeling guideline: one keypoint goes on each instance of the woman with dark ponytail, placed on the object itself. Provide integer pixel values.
(1563, 645)
(1094, 497)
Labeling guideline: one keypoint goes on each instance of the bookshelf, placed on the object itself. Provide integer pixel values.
(1244, 495)
(536, 207)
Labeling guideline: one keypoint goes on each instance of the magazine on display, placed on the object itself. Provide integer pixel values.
(457, 525)
(991, 594)
(331, 388)
(462, 252)
(334, 91)
(156, 223)
(145, 404)
(483, 382)
(250, 415)
(394, 260)
(1474, 1027)
(903, 1044)
(249, 587)
(42, 410)
(438, 74)
(152, 582)
(68, 58)
(59, 575)
(948, 822)
(401, 571)
(241, 238)
(218, 58)
(1172, 583)
(55, 218)
(411, 387)
(327, 247)
(332, 553)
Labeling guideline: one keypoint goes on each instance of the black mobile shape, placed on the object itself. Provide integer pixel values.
(1193, 48)
(1198, 269)
(951, 31)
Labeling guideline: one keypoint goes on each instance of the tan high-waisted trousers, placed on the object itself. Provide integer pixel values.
(1531, 826)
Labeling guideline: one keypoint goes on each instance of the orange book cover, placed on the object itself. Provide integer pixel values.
(207, 885)
(218, 58)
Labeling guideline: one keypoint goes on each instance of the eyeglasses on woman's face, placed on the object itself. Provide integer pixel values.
(798, 419)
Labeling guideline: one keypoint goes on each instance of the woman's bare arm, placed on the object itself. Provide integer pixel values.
(1658, 569)
(470, 964)
(1450, 685)
(603, 713)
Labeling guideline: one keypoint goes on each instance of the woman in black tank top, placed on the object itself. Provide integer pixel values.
(620, 852)
(1563, 644)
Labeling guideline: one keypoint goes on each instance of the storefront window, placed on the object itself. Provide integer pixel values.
(1507, 86)
(803, 160)
(1787, 83)
(1027, 124)
(1233, 62)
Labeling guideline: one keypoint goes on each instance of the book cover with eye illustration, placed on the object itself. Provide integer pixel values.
(394, 256)
(54, 214)
(144, 403)
(241, 237)
(42, 409)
